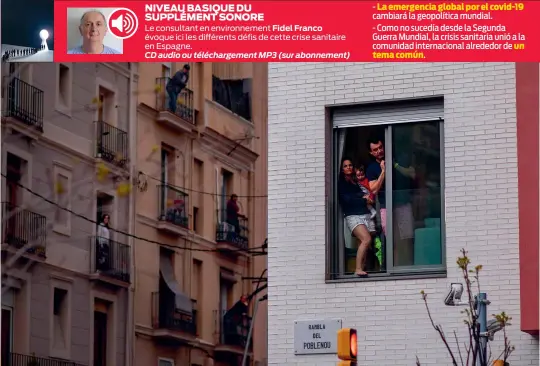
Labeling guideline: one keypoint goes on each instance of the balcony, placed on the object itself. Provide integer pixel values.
(184, 117)
(173, 208)
(232, 234)
(232, 331)
(24, 104)
(169, 324)
(15, 359)
(110, 260)
(112, 145)
(24, 229)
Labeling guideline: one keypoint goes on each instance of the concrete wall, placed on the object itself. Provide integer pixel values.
(203, 193)
(481, 208)
(68, 142)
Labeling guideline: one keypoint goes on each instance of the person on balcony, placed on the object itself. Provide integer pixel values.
(175, 85)
(235, 323)
(233, 213)
(103, 244)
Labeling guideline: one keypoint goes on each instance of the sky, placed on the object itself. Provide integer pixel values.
(23, 19)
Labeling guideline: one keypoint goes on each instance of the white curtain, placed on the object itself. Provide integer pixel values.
(342, 134)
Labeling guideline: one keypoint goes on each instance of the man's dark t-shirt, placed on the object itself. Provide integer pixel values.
(179, 80)
(402, 185)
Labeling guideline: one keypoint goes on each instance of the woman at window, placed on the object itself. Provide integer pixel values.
(354, 205)
(103, 237)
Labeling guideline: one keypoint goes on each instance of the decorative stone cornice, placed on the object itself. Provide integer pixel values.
(227, 150)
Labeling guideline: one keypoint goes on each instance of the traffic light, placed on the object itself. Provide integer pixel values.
(347, 346)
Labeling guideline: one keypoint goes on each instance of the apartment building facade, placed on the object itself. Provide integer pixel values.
(460, 147)
(195, 267)
(67, 131)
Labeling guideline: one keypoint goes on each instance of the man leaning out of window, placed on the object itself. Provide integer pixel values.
(93, 28)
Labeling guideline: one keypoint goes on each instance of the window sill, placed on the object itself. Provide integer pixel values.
(62, 230)
(63, 109)
(388, 277)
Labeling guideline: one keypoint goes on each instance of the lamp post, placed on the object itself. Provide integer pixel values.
(44, 35)
(454, 299)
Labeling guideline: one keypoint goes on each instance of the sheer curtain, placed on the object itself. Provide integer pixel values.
(342, 134)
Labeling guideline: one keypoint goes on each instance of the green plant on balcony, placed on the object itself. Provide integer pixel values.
(39, 250)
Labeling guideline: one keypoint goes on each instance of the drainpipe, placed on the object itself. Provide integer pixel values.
(132, 115)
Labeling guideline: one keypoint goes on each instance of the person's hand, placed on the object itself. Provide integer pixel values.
(367, 197)
(383, 165)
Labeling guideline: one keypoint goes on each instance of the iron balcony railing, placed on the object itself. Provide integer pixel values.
(24, 102)
(185, 106)
(165, 316)
(15, 359)
(112, 144)
(24, 229)
(232, 229)
(173, 205)
(232, 329)
(110, 258)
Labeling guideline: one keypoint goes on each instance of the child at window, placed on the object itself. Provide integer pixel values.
(363, 182)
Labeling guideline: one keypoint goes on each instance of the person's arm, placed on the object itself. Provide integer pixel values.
(408, 172)
(375, 183)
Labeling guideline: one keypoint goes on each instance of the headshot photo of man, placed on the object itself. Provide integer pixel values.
(92, 36)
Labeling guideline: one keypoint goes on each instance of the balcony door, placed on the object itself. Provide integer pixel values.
(164, 176)
(14, 96)
(7, 334)
(13, 195)
(100, 338)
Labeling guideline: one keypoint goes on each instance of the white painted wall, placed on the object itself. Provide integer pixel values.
(481, 212)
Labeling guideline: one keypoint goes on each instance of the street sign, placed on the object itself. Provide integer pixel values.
(316, 337)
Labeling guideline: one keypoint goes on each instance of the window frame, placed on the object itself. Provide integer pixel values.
(110, 112)
(112, 326)
(65, 284)
(67, 172)
(335, 261)
(64, 106)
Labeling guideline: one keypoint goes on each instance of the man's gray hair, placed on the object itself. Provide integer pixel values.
(94, 11)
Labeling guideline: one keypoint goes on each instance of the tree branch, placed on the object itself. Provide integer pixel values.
(438, 328)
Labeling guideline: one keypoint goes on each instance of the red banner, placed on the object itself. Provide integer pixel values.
(279, 31)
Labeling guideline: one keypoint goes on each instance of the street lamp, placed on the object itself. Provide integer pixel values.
(44, 35)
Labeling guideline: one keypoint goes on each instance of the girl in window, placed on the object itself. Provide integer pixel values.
(355, 207)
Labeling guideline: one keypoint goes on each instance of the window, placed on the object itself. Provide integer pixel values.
(227, 281)
(105, 206)
(226, 192)
(168, 171)
(62, 196)
(166, 70)
(15, 171)
(106, 106)
(196, 219)
(401, 232)
(60, 320)
(165, 362)
(197, 197)
(64, 88)
(196, 283)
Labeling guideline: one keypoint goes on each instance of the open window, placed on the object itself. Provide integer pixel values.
(406, 219)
